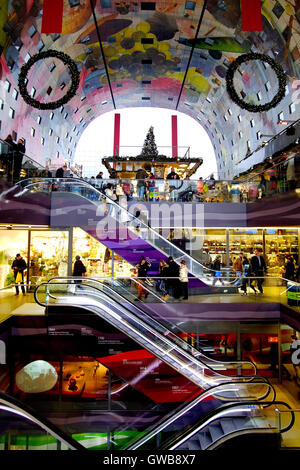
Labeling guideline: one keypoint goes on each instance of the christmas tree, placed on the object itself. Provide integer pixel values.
(149, 148)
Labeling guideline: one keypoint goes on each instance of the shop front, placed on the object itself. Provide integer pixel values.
(51, 253)
(277, 245)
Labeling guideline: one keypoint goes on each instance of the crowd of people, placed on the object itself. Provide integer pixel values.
(172, 279)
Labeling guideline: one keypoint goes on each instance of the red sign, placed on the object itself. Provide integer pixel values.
(272, 339)
(251, 15)
(52, 16)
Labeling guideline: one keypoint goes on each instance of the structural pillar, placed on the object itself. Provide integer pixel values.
(116, 148)
(174, 137)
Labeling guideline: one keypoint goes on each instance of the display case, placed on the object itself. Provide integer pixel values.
(245, 241)
(279, 244)
(212, 240)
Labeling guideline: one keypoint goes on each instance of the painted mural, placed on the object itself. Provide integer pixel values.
(159, 54)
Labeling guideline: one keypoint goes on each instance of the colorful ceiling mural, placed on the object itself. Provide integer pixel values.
(160, 53)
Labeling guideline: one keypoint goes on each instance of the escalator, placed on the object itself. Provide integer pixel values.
(116, 286)
(234, 421)
(120, 230)
(22, 428)
(150, 334)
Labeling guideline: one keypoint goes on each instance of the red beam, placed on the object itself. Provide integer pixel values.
(174, 137)
(116, 149)
(251, 15)
(52, 16)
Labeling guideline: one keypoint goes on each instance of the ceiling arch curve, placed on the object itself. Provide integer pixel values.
(160, 53)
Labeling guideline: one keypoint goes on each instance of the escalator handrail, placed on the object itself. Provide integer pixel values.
(145, 317)
(44, 423)
(184, 435)
(185, 407)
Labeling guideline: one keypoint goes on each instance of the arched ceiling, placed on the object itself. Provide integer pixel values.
(169, 54)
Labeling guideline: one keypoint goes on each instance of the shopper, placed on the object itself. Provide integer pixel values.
(173, 284)
(19, 266)
(258, 268)
(78, 269)
(60, 172)
(162, 287)
(110, 199)
(184, 279)
(238, 268)
(173, 175)
(8, 158)
(141, 176)
(289, 272)
(18, 158)
(247, 273)
(206, 258)
(142, 270)
(99, 176)
(217, 270)
(106, 259)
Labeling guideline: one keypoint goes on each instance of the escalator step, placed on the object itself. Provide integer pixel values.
(204, 440)
(194, 444)
(241, 422)
(227, 425)
(216, 431)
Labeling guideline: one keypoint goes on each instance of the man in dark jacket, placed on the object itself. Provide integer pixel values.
(217, 264)
(18, 158)
(78, 269)
(173, 283)
(142, 270)
(19, 265)
(258, 268)
(60, 172)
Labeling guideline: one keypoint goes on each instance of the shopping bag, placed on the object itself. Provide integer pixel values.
(19, 277)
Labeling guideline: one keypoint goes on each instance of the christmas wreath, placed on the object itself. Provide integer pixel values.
(281, 76)
(44, 55)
